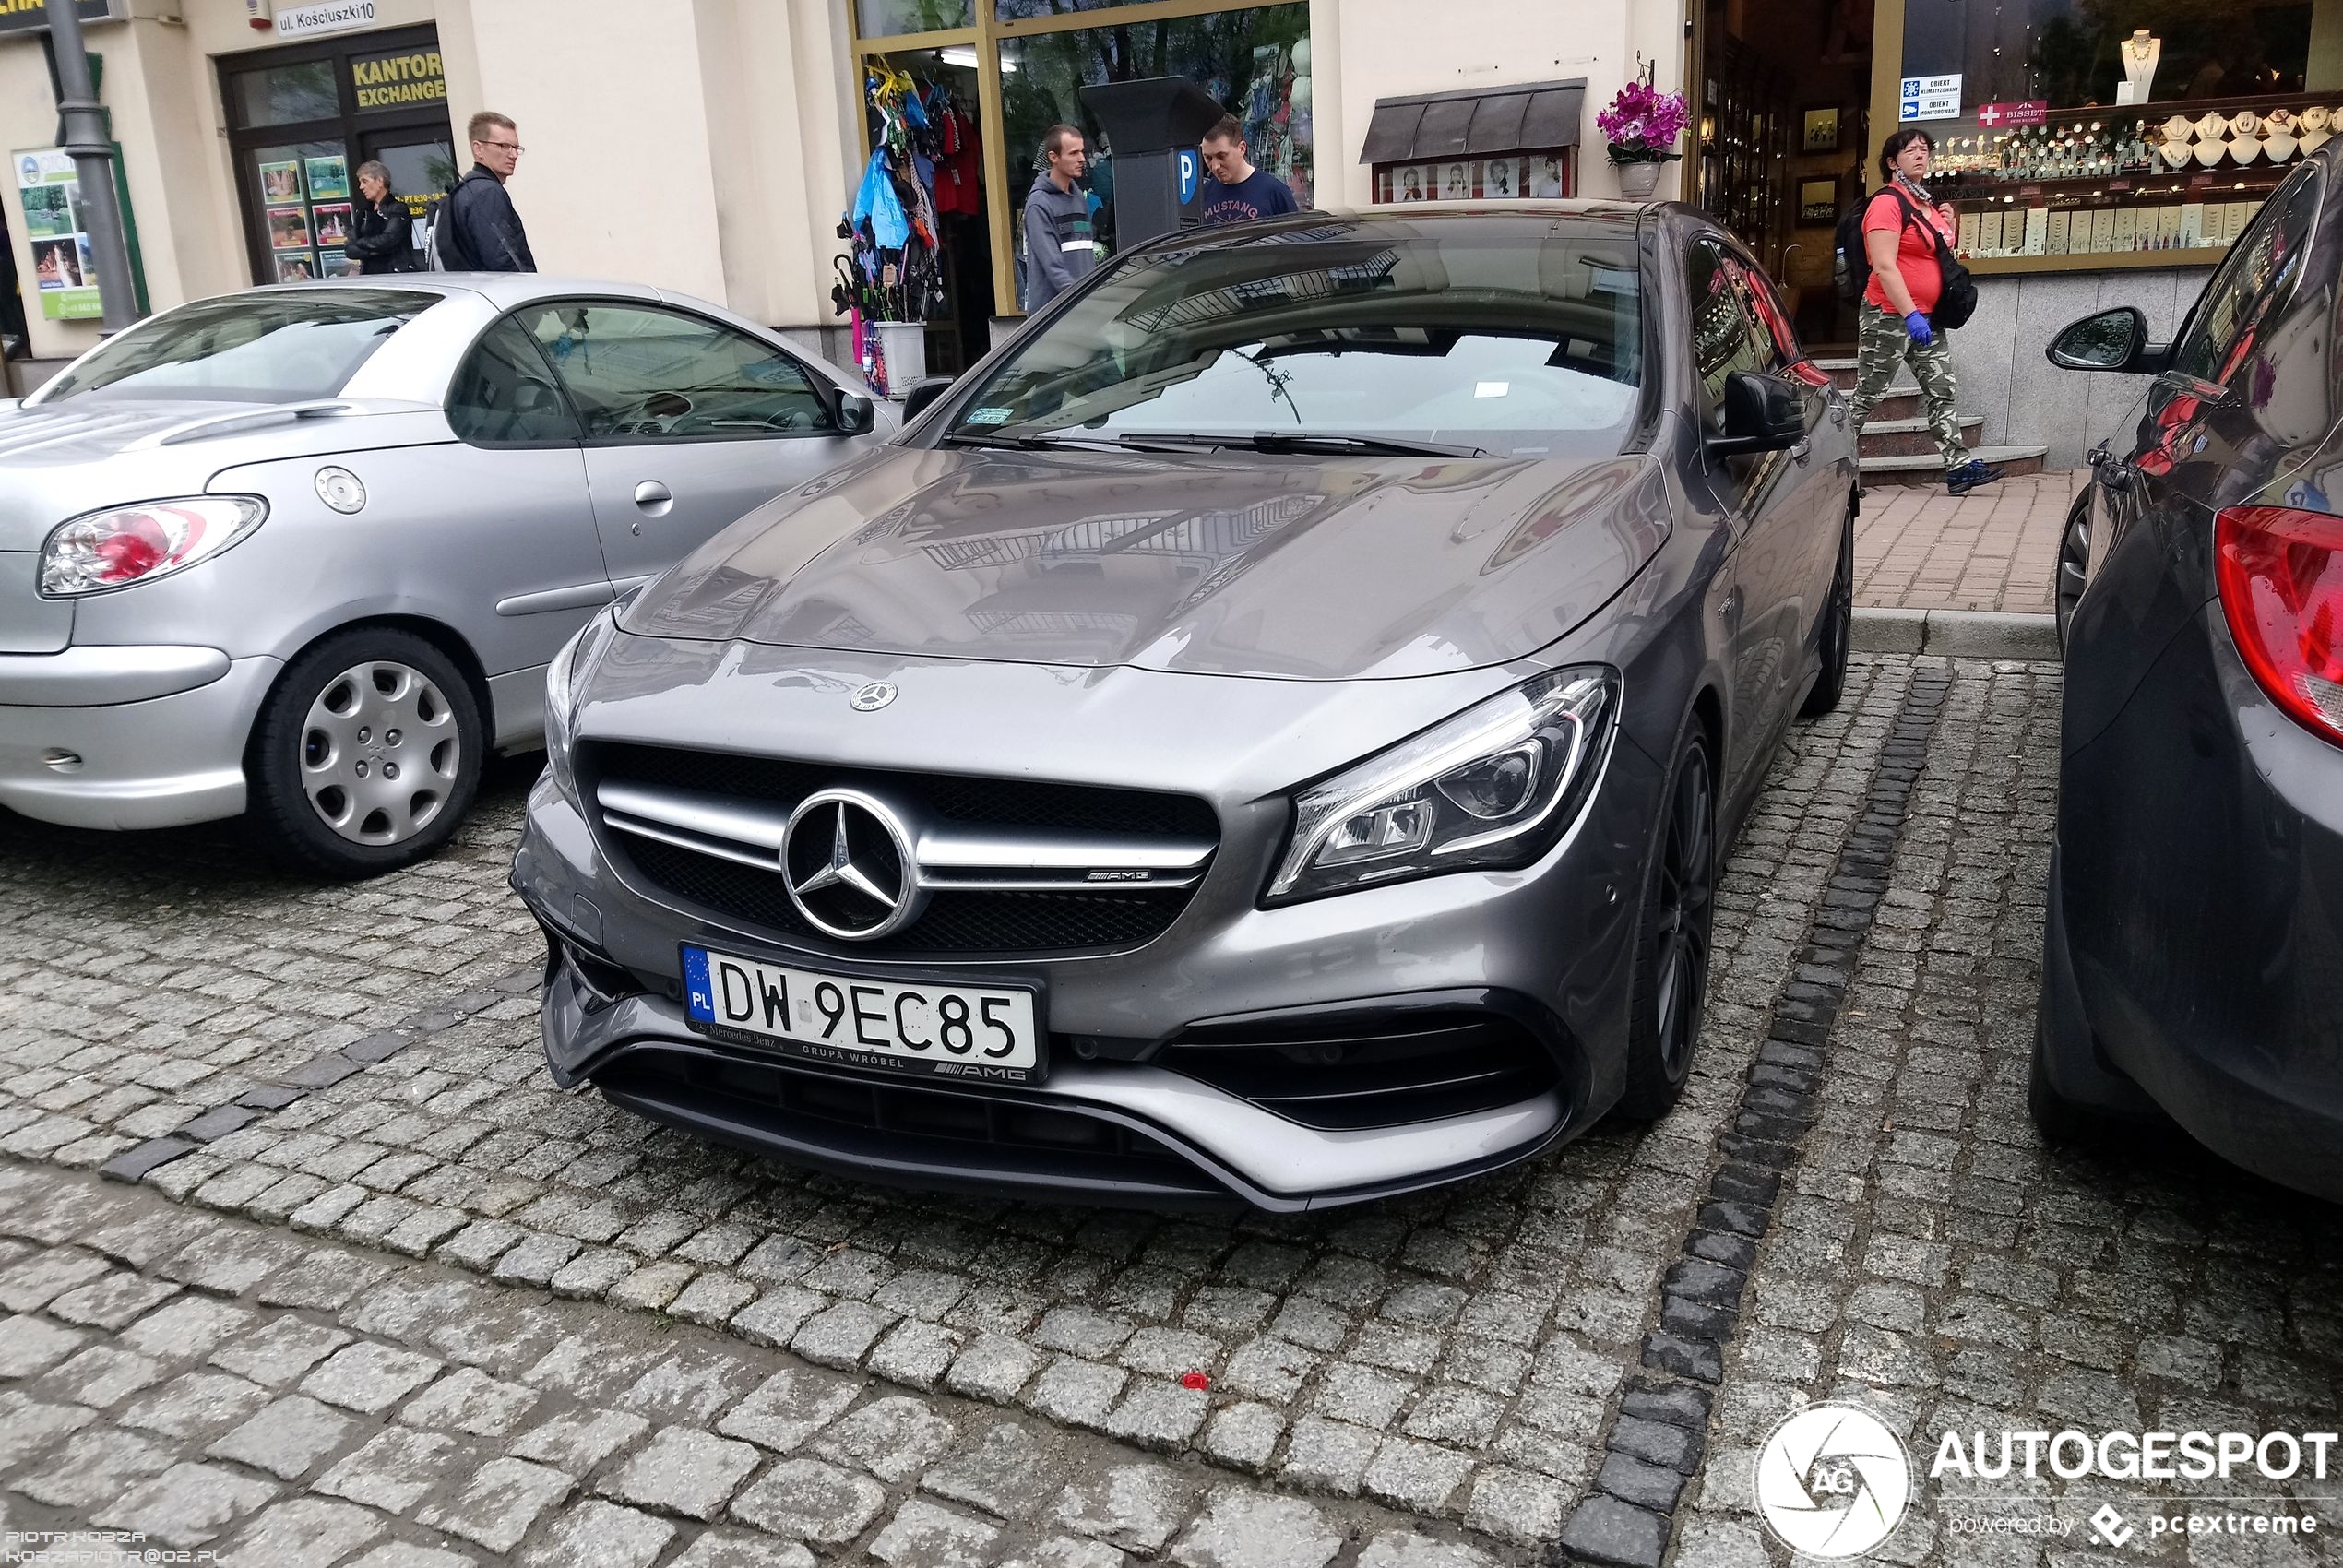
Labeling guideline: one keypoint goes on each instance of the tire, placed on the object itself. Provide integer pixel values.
(1838, 630)
(2074, 561)
(357, 711)
(1674, 946)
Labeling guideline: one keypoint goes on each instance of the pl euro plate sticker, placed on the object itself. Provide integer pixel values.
(990, 416)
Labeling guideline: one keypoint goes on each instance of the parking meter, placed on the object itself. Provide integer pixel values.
(1153, 126)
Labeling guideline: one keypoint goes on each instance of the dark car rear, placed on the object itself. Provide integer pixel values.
(2194, 929)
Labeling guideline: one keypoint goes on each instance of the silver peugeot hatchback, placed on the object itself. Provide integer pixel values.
(307, 551)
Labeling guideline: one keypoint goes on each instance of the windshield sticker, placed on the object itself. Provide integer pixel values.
(990, 416)
(1490, 389)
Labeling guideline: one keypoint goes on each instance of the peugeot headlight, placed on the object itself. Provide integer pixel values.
(563, 677)
(1496, 786)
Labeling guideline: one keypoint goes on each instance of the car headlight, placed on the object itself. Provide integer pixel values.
(1496, 786)
(136, 544)
(563, 677)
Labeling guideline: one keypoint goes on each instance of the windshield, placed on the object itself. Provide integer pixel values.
(1513, 339)
(261, 348)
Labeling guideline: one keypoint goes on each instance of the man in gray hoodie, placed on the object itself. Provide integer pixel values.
(1058, 220)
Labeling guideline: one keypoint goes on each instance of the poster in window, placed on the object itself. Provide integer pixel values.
(1411, 183)
(1820, 130)
(328, 178)
(1817, 201)
(1456, 182)
(297, 267)
(281, 182)
(336, 264)
(1549, 175)
(1501, 178)
(287, 229)
(332, 222)
(49, 192)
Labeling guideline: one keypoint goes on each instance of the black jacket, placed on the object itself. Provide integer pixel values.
(381, 240)
(479, 230)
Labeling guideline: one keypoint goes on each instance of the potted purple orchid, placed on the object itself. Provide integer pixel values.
(1642, 125)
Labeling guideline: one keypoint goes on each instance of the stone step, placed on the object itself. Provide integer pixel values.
(1901, 403)
(1912, 437)
(1927, 470)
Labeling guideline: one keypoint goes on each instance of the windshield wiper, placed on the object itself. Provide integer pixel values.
(1318, 441)
(1088, 441)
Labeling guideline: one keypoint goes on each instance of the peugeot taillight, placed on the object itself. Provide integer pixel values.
(136, 544)
(2280, 571)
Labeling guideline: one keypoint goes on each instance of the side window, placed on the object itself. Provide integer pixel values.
(1723, 340)
(505, 395)
(638, 373)
(1769, 320)
(2252, 284)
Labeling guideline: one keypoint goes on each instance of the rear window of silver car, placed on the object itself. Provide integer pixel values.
(1520, 341)
(262, 347)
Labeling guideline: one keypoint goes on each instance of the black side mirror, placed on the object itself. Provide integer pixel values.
(1763, 414)
(2112, 340)
(856, 414)
(923, 394)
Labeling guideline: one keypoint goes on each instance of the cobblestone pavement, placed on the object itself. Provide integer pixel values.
(1992, 549)
(1409, 1381)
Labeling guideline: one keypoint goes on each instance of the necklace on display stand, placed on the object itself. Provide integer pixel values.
(2140, 52)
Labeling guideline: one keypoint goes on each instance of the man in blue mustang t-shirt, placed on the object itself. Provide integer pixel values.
(1238, 193)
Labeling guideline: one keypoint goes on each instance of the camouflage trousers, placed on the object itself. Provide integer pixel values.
(1881, 341)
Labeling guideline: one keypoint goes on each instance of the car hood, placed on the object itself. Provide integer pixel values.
(1212, 563)
(85, 453)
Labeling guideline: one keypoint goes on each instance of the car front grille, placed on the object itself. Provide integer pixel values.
(877, 1128)
(957, 923)
(1382, 1070)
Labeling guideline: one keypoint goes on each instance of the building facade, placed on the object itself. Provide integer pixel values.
(712, 146)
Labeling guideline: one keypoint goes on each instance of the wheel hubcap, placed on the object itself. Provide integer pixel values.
(379, 753)
(1687, 881)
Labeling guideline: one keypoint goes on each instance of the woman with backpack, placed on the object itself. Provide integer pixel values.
(1918, 291)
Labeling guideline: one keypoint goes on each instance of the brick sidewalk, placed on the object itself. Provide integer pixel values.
(1996, 549)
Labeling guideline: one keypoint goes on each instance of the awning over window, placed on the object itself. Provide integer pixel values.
(1462, 124)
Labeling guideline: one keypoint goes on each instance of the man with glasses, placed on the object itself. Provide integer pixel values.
(477, 229)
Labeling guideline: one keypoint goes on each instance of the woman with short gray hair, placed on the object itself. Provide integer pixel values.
(380, 240)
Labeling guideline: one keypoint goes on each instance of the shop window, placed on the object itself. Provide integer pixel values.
(505, 395)
(885, 19)
(305, 217)
(2124, 126)
(643, 374)
(1548, 175)
(286, 95)
(1256, 63)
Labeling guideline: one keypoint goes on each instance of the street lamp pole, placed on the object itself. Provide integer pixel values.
(92, 154)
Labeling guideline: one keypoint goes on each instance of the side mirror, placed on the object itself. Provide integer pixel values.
(2112, 340)
(1763, 414)
(856, 415)
(922, 394)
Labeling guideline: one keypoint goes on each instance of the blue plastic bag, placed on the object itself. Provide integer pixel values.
(878, 201)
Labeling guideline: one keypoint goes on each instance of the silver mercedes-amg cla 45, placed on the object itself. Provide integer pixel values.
(1267, 734)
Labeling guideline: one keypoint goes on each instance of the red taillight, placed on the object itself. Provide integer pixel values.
(2281, 577)
(138, 546)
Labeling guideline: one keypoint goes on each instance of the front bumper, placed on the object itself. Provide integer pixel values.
(127, 737)
(2200, 896)
(1550, 942)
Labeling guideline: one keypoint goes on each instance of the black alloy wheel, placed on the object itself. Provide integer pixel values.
(1839, 629)
(1671, 971)
(2074, 561)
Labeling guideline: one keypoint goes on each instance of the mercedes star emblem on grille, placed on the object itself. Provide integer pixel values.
(846, 859)
(872, 697)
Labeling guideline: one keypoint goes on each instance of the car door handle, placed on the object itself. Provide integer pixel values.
(653, 497)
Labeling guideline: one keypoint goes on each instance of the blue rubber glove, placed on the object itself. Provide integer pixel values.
(1917, 325)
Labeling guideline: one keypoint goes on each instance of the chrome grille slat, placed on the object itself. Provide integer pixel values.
(1088, 868)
